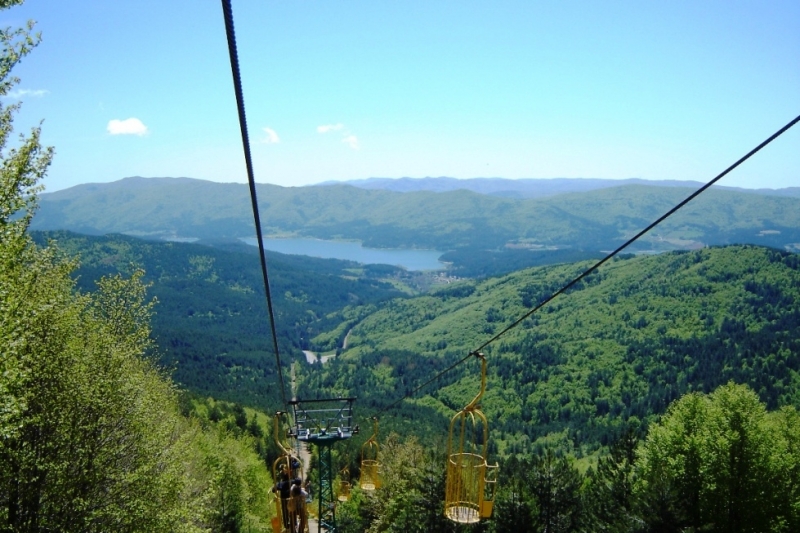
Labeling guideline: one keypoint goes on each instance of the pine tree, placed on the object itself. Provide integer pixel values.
(556, 484)
(609, 496)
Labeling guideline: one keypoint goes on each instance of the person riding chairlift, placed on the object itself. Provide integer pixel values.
(284, 488)
(298, 507)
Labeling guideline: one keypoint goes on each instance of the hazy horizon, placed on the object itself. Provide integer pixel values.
(345, 181)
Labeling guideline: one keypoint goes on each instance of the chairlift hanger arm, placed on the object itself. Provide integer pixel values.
(474, 403)
(374, 436)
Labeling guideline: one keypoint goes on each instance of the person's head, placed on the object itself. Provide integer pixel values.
(297, 482)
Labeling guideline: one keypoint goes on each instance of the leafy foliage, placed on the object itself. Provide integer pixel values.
(87, 432)
(412, 499)
(91, 438)
(228, 482)
(717, 463)
(616, 350)
(720, 463)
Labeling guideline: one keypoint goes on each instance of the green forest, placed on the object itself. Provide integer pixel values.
(138, 382)
(211, 322)
(621, 346)
(718, 462)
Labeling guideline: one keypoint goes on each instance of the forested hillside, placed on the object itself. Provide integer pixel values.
(211, 324)
(618, 349)
(623, 345)
(631, 339)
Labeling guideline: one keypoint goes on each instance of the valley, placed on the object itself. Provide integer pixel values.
(566, 387)
(626, 342)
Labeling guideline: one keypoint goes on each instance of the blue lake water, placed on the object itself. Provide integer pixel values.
(353, 251)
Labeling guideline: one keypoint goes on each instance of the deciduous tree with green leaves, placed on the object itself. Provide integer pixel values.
(720, 462)
(90, 436)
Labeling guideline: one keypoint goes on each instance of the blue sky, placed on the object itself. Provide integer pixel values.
(356, 89)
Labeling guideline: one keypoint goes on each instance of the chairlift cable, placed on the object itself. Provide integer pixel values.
(476, 352)
(633, 239)
(237, 85)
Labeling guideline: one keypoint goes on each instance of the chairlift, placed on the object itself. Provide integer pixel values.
(343, 489)
(370, 467)
(471, 482)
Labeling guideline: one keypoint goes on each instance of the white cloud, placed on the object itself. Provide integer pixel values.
(351, 141)
(347, 137)
(130, 126)
(325, 128)
(20, 93)
(271, 138)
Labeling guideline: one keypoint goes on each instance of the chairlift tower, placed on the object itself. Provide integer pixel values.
(323, 423)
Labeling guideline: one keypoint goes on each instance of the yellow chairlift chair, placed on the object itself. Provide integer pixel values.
(343, 492)
(471, 482)
(370, 475)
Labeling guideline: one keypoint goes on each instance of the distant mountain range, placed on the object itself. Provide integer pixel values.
(477, 226)
(531, 188)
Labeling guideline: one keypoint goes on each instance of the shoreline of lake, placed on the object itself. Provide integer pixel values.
(410, 259)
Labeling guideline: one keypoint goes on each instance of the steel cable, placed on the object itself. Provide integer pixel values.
(237, 86)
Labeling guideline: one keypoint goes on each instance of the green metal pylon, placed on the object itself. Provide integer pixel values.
(327, 500)
(324, 423)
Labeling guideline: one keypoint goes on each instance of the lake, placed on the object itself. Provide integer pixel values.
(353, 251)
